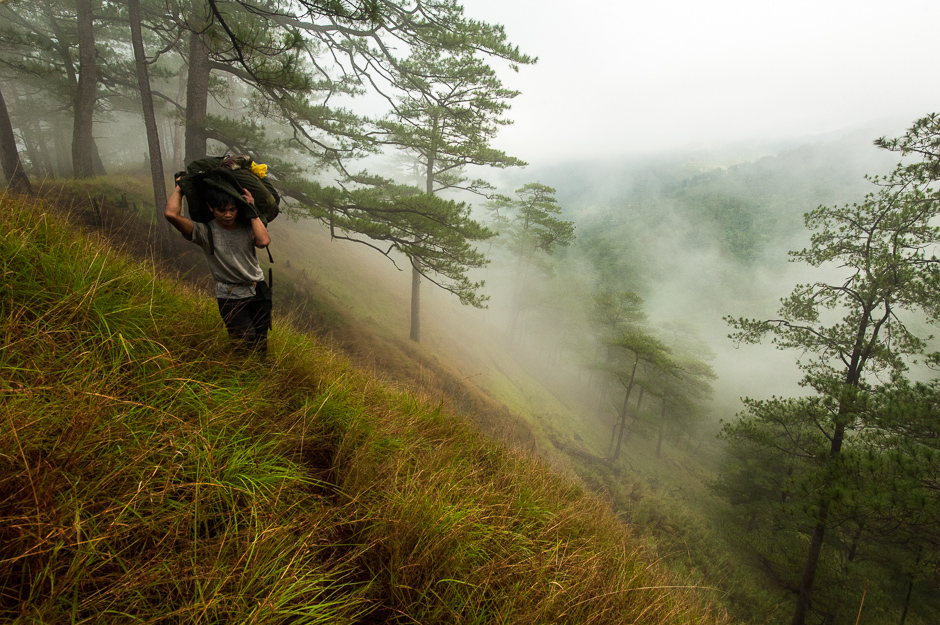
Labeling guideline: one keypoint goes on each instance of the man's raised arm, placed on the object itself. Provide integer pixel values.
(174, 214)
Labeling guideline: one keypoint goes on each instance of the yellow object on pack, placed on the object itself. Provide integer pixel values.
(259, 169)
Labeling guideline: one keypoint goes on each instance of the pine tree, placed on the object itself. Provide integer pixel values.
(531, 231)
(448, 115)
(852, 329)
(391, 218)
(146, 98)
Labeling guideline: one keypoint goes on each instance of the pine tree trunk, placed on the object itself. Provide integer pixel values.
(179, 126)
(62, 149)
(907, 599)
(618, 427)
(415, 302)
(43, 146)
(628, 436)
(809, 572)
(96, 159)
(34, 142)
(416, 262)
(815, 545)
(623, 413)
(9, 157)
(150, 119)
(83, 149)
(197, 98)
(662, 427)
(32, 151)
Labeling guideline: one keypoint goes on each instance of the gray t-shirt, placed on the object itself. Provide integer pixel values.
(233, 263)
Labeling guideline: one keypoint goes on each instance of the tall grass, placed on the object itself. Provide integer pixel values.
(148, 474)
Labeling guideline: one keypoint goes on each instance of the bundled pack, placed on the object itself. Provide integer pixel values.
(229, 174)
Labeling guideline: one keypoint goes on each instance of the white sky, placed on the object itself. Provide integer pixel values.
(616, 77)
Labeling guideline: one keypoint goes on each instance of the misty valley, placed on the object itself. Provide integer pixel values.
(629, 326)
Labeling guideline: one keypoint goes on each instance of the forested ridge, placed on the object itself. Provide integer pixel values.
(580, 311)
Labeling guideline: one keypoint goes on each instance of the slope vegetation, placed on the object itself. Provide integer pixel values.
(149, 475)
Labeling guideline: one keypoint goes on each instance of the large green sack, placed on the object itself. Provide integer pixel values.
(229, 174)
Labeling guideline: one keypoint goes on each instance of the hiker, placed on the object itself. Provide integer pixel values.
(228, 244)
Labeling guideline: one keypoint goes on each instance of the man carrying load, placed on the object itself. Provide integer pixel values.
(228, 241)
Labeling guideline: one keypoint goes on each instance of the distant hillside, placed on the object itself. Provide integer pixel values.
(842, 157)
(747, 210)
(704, 223)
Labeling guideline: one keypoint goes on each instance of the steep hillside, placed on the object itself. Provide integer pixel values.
(148, 474)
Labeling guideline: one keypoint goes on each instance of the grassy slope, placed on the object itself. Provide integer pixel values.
(149, 476)
(665, 499)
(462, 353)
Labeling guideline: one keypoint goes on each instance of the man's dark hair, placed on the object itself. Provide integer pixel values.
(216, 198)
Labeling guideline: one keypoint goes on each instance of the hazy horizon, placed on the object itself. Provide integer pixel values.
(619, 78)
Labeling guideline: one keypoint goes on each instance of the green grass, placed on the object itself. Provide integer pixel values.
(148, 474)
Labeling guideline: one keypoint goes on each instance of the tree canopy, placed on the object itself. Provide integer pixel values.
(276, 79)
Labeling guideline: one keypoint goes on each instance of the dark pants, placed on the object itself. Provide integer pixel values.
(248, 320)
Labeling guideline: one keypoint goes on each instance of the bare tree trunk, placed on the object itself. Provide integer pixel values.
(83, 149)
(30, 134)
(197, 98)
(9, 157)
(809, 571)
(150, 119)
(62, 126)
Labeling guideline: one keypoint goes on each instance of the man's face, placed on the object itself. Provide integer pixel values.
(225, 215)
